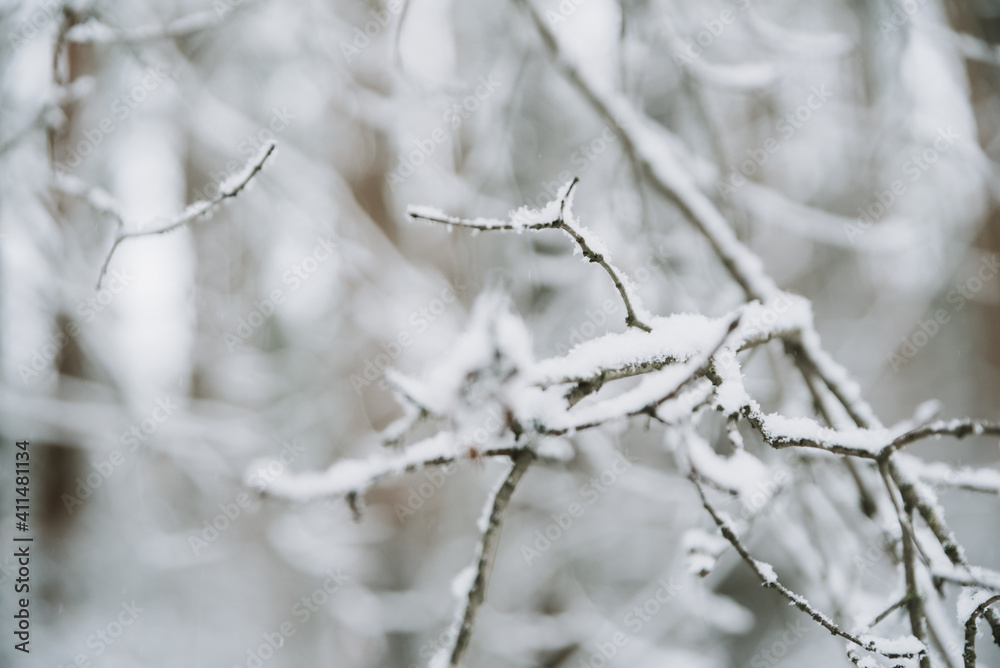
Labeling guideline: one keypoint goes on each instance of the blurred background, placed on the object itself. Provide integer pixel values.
(852, 145)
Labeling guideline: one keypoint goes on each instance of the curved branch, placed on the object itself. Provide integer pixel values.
(535, 220)
(970, 631)
(769, 580)
(227, 189)
(957, 428)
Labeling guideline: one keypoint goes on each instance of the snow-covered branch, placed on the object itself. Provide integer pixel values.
(558, 214)
(889, 648)
(229, 188)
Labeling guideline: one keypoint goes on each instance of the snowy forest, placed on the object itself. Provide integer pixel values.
(516, 334)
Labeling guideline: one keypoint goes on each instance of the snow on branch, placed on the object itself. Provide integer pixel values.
(490, 524)
(353, 477)
(557, 214)
(229, 188)
(657, 151)
(905, 647)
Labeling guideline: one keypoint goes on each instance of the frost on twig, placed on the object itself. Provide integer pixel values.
(898, 648)
(231, 187)
(557, 214)
(490, 524)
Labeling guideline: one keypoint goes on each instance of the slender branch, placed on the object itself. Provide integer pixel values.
(931, 513)
(970, 631)
(356, 476)
(956, 428)
(769, 580)
(228, 189)
(487, 551)
(888, 611)
(561, 222)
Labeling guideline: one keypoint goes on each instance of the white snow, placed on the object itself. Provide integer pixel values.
(463, 581)
(790, 430)
(741, 472)
(766, 571)
(356, 475)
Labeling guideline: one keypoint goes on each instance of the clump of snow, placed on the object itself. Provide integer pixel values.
(969, 599)
(495, 346)
(555, 448)
(703, 550)
(781, 429)
(766, 571)
(741, 472)
(463, 581)
(356, 475)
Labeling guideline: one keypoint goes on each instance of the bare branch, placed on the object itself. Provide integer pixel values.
(487, 550)
(525, 220)
(769, 580)
(202, 208)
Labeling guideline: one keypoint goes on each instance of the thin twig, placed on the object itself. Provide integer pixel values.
(487, 552)
(772, 583)
(559, 223)
(956, 428)
(196, 210)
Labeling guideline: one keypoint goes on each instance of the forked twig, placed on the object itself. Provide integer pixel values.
(228, 189)
(561, 222)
